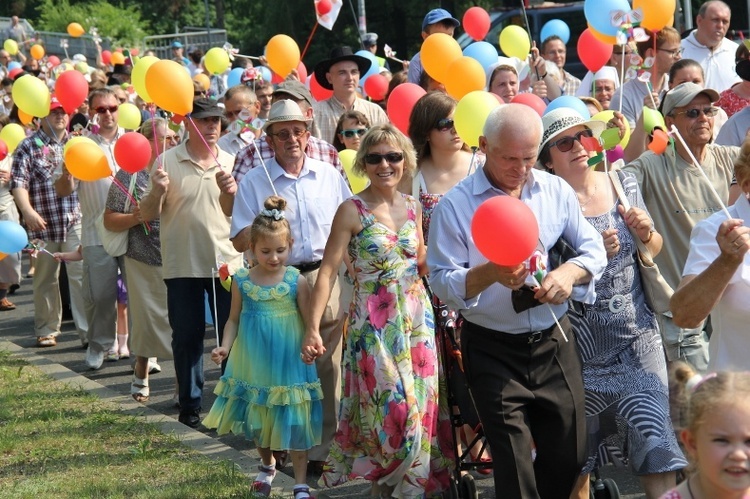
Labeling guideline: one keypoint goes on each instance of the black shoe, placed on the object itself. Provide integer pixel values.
(13, 288)
(190, 418)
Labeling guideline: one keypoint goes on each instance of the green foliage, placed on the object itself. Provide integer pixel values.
(122, 24)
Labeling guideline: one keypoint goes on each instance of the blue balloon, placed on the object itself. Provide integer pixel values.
(13, 237)
(571, 102)
(599, 14)
(485, 53)
(374, 65)
(556, 27)
(13, 65)
(235, 77)
(265, 73)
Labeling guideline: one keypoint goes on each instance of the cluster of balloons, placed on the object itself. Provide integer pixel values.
(444, 61)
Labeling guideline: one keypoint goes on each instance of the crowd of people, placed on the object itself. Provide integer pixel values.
(332, 303)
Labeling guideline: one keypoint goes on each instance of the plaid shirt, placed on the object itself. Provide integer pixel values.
(571, 84)
(318, 149)
(37, 162)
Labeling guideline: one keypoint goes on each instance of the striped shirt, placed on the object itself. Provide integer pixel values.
(35, 162)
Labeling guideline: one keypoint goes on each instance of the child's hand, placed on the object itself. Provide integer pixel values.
(60, 257)
(219, 354)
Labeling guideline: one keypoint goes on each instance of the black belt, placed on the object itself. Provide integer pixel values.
(307, 267)
(516, 339)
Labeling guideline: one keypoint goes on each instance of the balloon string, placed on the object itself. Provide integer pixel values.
(130, 197)
(152, 111)
(552, 312)
(622, 76)
(203, 139)
(265, 169)
(309, 39)
(651, 93)
(473, 157)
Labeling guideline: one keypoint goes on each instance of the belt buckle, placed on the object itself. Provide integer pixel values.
(535, 337)
(616, 303)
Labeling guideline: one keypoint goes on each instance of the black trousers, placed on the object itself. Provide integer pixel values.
(529, 395)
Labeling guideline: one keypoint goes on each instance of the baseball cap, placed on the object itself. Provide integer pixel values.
(54, 104)
(683, 94)
(370, 39)
(295, 89)
(206, 108)
(436, 15)
(176, 44)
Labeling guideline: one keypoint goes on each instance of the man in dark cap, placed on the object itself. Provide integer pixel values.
(341, 73)
(194, 234)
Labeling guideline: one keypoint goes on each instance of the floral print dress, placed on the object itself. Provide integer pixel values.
(388, 424)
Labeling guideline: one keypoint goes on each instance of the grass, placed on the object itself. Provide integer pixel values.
(60, 441)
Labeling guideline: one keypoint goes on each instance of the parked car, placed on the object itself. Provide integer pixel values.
(570, 13)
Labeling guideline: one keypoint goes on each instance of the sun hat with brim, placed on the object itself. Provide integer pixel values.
(683, 94)
(340, 54)
(206, 108)
(565, 118)
(283, 111)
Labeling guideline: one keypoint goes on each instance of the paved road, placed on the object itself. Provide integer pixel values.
(17, 327)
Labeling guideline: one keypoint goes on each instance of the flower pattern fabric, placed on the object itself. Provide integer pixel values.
(388, 426)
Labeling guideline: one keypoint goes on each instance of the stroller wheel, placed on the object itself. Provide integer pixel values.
(605, 489)
(468, 489)
(453, 492)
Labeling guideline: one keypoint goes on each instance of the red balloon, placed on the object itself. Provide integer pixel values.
(376, 87)
(533, 101)
(106, 56)
(134, 51)
(317, 91)
(132, 152)
(505, 230)
(276, 79)
(324, 7)
(593, 53)
(3, 149)
(476, 23)
(71, 90)
(302, 72)
(401, 102)
(14, 72)
(53, 60)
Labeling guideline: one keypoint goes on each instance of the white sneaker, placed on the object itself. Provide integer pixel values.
(94, 359)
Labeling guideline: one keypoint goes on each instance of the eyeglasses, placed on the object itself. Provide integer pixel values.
(709, 112)
(102, 109)
(285, 135)
(565, 144)
(444, 124)
(174, 139)
(390, 157)
(673, 53)
(351, 133)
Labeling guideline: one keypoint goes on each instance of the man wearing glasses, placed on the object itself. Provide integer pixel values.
(678, 197)
(240, 109)
(313, 191)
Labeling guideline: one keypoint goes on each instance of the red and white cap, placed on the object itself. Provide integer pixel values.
(54, 104)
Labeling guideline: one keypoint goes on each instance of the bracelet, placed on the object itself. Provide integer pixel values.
(650, 236)
(543, 77)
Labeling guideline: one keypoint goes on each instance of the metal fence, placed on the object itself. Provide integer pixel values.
(190, 37)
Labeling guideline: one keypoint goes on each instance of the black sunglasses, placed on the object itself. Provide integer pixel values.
(709, 111)
(351, 133)
(444, 124)
(102, 109)
(565, 144)
(390, 157)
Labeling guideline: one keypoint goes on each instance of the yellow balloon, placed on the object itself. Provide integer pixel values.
(216, 60)
(656, 13)
(515, 42)
(138, 76)
(82, 67)
(128, 116)
(605, 116)
(170, 87)
(75, 30)
(12, 135)
(438, 51)
(202, 80)
(357, 182)
(31, 95)
(471, 113)
(465, 75)
(75, 140)
(87, 162)
(283, 55)
(11, 46)
(37, 51)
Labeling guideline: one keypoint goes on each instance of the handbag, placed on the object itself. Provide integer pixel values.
(658, 291)
(115, 243)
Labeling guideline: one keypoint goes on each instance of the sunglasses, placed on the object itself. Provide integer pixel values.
(285, 135)
(444, 124)
(351, 133)
(390, 157)
(102, 109)
(565, 144)
(709, 111)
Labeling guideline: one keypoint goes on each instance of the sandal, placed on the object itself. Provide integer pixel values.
(262, 484)
(139, 389)
(302, 492)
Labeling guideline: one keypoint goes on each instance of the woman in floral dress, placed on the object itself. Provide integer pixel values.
(388, 423)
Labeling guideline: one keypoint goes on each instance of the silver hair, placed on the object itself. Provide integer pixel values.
(516, 116)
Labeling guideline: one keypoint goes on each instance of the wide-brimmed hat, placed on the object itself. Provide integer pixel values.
(340, 54)
(564, 118)
(294, 89)
(206, 108)
(283, 111)
(120, 69)
(683, 94)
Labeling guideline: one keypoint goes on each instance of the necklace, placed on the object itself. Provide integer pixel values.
(584, 203)
(690, 489)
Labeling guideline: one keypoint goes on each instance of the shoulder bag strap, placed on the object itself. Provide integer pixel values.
(617, 183)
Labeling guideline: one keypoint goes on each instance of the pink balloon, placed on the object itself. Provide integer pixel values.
(106, 56)
(476, 23)
(505, 230)
(531, 100)
(3, 150)
(53, 60)
(376, 87)
(401, 102)
(302, 71)
(593, 53)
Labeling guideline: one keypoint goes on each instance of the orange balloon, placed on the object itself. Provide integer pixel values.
(75, 30)
(656, 13)
(170, 86)
(202, 80)
(437, 53)
(3, 255)
(611, 40)
(465, 75)
(86, 161)
(37, 51)
(25, 118)
(117, 58)
(283, 55)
